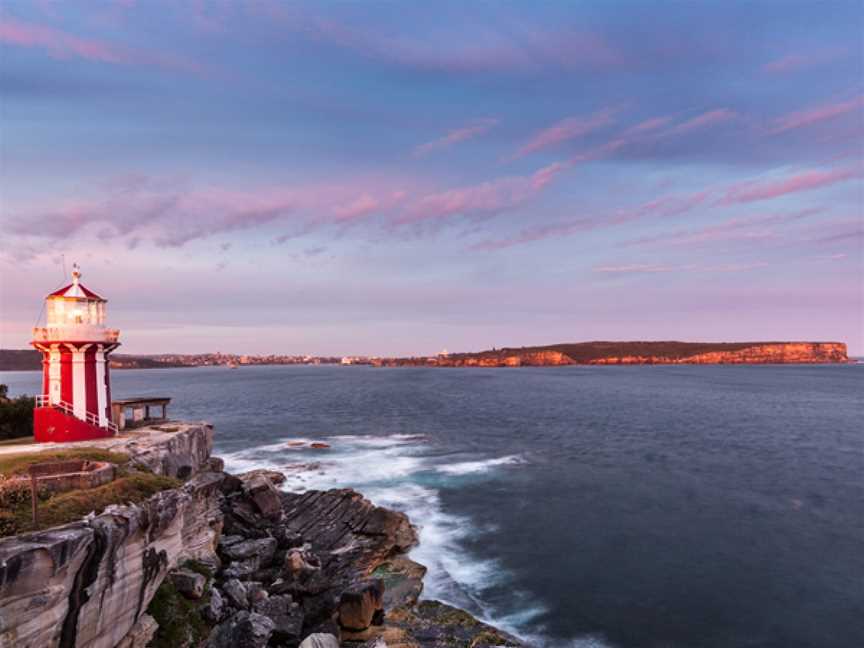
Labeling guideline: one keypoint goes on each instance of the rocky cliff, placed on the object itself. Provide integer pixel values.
(226, 562)
(89, 583)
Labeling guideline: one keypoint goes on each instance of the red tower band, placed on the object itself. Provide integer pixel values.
(75, 404)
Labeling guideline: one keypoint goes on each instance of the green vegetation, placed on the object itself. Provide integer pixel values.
(70, 506)
(16, 415)
(18, 463)
(180, 621)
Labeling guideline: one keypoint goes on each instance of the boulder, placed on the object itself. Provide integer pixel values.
(320, 640)
(263, 549)
(319, 445)
(255, 593)
(286, 615)
(243, 630)
(264, 494)
(273, 475)
(189, 583)
(359, 607)
(242, 569)
(235, 592)
(214, 608)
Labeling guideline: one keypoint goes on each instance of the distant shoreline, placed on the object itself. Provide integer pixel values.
(582, 353)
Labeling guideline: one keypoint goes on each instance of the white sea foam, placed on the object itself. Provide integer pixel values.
(469, 467)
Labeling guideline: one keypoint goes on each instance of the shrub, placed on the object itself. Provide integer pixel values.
(16, 415)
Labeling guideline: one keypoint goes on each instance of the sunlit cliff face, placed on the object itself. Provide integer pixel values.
(344, 179)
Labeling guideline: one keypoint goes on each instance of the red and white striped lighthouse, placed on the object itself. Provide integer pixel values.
(75, 404)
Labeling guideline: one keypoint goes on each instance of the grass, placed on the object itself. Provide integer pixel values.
(23, 440)
(17, 464)
(73, 505)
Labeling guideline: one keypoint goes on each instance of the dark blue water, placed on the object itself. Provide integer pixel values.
(620, 506)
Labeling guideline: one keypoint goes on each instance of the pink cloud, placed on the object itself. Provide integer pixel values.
(709, 118)
(362, 206)
(793, 62)
(62, 45)
(646, 268)
(663, 207)
(476, 129)
(565, 130)
(647, 126)
(753, 191)
(747, 228)
(826, 112)
(491, 197)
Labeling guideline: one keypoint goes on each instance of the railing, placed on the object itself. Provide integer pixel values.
(45, 401)
(75, 333)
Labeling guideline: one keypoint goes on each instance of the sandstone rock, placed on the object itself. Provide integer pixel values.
(215, 464)
(243, 630)
(377, 642)
(403, 580)
(273, 475)
(89, 582)
(358, 607)
(189, 583)
(264, 494)
(263, 549)
(320, 640)
(319, 445)
(286, 615)
(235, 592)
(215, 607)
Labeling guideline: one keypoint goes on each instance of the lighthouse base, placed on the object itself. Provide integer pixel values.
(50, 425)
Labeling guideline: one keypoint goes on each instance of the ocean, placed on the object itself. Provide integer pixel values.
(607, 507)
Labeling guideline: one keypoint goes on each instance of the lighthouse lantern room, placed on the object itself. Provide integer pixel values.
(75, 404)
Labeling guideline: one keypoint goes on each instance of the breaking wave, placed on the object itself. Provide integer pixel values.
(404, 473)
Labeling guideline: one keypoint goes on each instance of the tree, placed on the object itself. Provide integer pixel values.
(16, 415)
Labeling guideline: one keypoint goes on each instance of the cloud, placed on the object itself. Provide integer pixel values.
(816, 115)
(62, 45)
(645, 268)
(361, 206)
(665, 206)
(794, 62)
(485, 198)
(753, 191)
(735, 229)
(516, 48)
(171, 214)
(475, 129)
(709, 118)
(647, 126)
(566, 130)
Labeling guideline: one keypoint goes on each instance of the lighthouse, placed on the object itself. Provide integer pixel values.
(75, 404)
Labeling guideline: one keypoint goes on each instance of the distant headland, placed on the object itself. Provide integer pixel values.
(579, 353)
(631, 353)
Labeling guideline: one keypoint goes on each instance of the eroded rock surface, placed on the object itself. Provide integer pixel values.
(88, 584)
